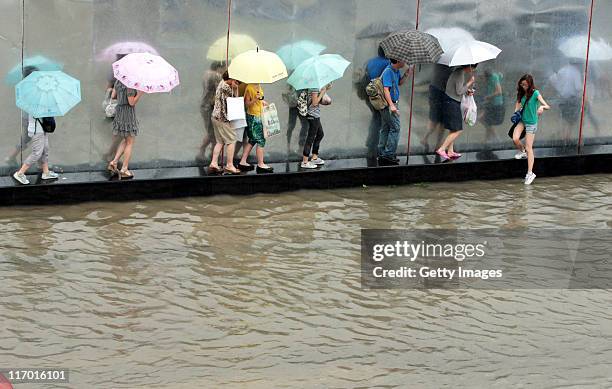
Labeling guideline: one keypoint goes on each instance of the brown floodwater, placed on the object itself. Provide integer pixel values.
(264, 291)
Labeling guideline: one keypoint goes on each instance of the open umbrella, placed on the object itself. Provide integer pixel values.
(576, 47)
(449, 37)
(257, 67)
(128, 47)
(146, 72)
(295, 53)
(239, 43)
(39, 62)
(468, 53)
(412, 47)
(316, 72)
(48, 93)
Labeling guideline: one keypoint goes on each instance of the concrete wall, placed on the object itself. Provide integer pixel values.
(73, 32)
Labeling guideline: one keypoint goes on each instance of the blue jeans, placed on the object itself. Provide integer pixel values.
(389, 134)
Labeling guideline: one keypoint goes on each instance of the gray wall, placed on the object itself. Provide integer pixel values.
(74, 31)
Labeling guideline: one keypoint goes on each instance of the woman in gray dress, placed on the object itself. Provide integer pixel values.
(125, 126)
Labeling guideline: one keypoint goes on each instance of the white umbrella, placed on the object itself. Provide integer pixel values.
(450, 36)
(468, 53)
(576, 47)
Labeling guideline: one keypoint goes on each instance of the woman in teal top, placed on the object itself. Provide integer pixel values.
(530, 100)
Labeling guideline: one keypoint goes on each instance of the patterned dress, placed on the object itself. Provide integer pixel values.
(125, 123)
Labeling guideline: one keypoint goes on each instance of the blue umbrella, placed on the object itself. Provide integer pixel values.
(295, 53)
(51, 93)
(316, 72)
(39, 62)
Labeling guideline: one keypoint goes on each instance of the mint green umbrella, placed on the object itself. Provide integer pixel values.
(295, 53)
(316, 72)
(38, 62)
(43, 94)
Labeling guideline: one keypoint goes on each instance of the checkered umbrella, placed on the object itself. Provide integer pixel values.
(412, 47)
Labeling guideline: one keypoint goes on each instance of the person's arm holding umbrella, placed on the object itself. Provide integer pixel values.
(317, 97)
(133, 98)
(406, 74)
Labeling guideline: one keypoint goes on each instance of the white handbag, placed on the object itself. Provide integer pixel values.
(235, 108)
(110, 105)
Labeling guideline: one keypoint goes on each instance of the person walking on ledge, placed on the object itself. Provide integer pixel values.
(459, 84)
(125, 126)
(254, 101)
(315, 98)
(388, 137)
(530, 100)
(225, 135)
(40, 153)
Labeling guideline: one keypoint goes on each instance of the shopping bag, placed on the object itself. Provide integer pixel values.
(469, 110)
(235, 108)
(270, 121)
(239, 125)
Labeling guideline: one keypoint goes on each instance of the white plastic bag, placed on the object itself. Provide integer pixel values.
(235, 108)
(469, 110)
(270, 121)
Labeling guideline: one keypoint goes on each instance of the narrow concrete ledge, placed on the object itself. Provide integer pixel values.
(193, 181)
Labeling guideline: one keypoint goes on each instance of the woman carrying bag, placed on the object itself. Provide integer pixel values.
(529, 106)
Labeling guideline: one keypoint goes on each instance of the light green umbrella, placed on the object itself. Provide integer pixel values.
(295, 53)
(316, 72)
(43, 94)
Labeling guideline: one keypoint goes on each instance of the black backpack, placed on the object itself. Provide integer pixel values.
(47, 124)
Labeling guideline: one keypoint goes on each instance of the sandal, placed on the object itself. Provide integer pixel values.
(214, 170)
(443, 155)
(112, 167)
(231, 172)
(454, 155)
(125, 174)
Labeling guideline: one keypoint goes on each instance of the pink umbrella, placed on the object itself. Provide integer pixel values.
(146, 72)
(111, 52)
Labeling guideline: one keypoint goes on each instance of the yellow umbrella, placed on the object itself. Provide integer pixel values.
(239, 43)
(257, 67)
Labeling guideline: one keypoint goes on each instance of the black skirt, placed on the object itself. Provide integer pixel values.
(451, 115)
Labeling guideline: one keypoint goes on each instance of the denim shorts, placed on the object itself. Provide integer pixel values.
(531, 128)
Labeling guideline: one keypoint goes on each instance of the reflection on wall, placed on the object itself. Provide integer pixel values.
(173, 129)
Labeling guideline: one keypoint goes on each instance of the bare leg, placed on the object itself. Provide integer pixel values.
(119, 152)
(449, 140)
(214, 163)
(516, 137)
(529, 138)
(24, 168)
(260, 157)
(245, 154)
(229, 164)
(127, 153)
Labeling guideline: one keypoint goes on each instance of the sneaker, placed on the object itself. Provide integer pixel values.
(529, 178)
(308, 165)
(51, 175)
(318, 161)
(521, 155)
(21, 178)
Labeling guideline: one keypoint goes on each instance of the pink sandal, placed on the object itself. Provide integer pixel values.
(454, 155)
(443, 155)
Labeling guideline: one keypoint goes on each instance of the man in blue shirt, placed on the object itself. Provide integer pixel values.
(388, 137)
(374, 68)
(376, 65)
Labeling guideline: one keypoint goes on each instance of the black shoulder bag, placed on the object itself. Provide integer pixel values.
(511, 132)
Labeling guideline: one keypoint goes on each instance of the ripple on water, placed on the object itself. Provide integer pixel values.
(264, 291)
